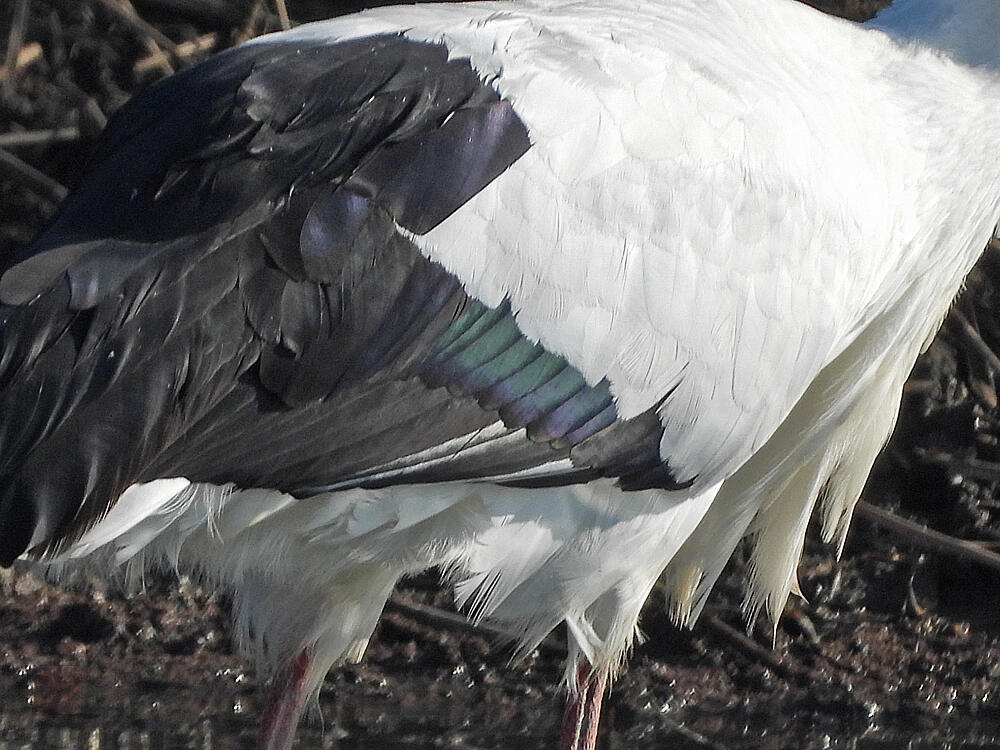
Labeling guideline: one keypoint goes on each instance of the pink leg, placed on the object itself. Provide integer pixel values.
(285, 702)
(583, 713)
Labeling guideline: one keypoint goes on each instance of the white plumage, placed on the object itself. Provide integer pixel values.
(748, 216)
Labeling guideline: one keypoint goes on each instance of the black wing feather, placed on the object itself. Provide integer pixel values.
(228, 296)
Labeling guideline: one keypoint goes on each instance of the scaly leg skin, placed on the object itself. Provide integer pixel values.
(583, 713)
(285, 703)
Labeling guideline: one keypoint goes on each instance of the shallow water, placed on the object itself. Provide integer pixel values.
(446, 711)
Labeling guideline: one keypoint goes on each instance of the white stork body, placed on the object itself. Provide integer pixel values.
(741, 220)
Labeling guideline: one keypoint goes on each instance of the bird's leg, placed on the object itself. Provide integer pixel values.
(285, 702)
(583, 712)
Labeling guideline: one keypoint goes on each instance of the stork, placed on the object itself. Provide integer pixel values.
(560, 296)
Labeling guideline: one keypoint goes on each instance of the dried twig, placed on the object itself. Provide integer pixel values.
(15, 38)
(915, 386)
(961, 326)
(28, 138)
(913, 605)
(254, 19)
(748, 645)
(689, 734)
(92, 117)
(158, 59)
(974, 468)
(286, 22)
(927, 538)
(20, 170)
(124, 10)
(439, 618)
(29, 53)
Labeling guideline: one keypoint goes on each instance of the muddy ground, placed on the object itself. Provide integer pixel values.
(897, 646)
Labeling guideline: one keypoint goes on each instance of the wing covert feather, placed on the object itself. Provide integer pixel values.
(251, 307)
(680, 237)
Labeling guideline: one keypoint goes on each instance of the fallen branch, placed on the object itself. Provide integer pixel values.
(926, 538)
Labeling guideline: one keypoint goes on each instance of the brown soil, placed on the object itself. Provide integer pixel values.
(897, 646)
